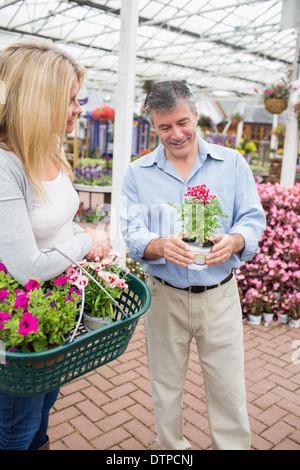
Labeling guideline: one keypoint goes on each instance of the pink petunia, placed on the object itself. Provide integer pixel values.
(4, 293)
(32, 285)
(60, 281)
(3, 317)
(22, 300)
(28, 324)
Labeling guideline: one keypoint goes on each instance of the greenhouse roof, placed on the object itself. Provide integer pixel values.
(217, 46)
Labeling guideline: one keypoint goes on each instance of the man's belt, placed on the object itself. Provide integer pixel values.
(197, 289)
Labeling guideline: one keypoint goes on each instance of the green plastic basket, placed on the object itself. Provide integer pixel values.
(28, 374)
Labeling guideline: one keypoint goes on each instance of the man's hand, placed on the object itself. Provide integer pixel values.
(225, 246)
(171, 248)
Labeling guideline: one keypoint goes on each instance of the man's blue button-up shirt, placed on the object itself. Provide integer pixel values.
(152, 181)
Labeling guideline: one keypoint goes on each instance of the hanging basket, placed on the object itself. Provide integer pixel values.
(275, 106)
(29, 374)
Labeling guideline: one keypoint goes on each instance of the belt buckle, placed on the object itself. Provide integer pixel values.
(202, 289)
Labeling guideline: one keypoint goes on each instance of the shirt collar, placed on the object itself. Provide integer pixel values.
(205, 150)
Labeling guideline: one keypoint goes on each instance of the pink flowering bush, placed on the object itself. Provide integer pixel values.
(270, 281)
(109, 275)
(37, 315)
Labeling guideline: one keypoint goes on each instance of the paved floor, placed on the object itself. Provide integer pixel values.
(111, 408)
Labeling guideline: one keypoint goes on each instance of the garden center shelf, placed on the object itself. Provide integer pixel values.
(105, 190)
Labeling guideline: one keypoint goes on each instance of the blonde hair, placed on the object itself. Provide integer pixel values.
(37, 76)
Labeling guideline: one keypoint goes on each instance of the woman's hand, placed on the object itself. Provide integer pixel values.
(101, 244)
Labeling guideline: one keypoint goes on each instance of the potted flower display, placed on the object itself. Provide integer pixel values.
(105, 113)
(37, 316)
(98, 306)
(252, 305)
(236, 118)
(291, 305)
(205, 122)
(274, 270)
(199, 220)
(269, 305)
(276, 96)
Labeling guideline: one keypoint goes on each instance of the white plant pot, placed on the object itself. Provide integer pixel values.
(268, 316)
(283, 318)
(254, 319)
(93, 323)
(200, 253)
(294, 323)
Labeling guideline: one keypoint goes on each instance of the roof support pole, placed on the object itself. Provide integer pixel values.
(123, 128)
(291, 141)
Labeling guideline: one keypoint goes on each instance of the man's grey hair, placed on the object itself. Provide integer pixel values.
(164, 96)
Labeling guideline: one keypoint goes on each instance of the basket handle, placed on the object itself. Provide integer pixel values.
(83, 292)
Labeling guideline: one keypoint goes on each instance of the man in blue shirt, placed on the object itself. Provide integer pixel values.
(188, 303)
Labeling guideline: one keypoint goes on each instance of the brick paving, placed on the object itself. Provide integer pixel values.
(111, 407)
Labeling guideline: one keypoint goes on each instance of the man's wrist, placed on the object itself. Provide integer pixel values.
(154, 249)
(239, 242)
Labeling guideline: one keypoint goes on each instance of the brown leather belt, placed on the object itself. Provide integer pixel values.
(196, 289)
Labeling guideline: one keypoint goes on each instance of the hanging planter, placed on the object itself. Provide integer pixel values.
(275, 105)
(105, 113)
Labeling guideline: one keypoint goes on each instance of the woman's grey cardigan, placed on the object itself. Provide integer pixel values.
(18, 248)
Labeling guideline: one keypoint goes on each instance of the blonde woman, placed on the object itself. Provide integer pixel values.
(37, 199)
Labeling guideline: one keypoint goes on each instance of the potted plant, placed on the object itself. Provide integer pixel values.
(105, 113)
(37, 316)
(98, 306)
(205, 122)
(252, 305)
(276, 96)
(280, 131)
(291, 304)
(236, 118)
(269, 305)
(199, 221)
(247, 148)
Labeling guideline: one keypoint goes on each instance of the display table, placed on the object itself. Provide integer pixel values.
(86, 188)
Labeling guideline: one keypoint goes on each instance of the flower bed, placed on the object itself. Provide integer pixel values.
(270, 282)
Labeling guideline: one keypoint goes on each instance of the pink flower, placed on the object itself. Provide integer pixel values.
(3, 268)
(107, 261)
(3, 317)
(96, 266)
(4, 293)
(28, 324)
(109, 278)
(22, 299)
(71, 271)
(80, 282)
(122, 284)
(31, 285)
(60, 281)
